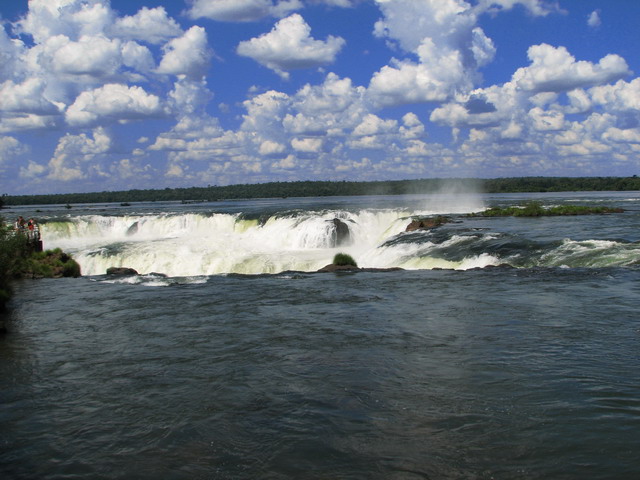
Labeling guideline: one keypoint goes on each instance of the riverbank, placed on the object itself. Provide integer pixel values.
(19, 260)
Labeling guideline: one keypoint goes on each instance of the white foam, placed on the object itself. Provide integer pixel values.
(194, 244)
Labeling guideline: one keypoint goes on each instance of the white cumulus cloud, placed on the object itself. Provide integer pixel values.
(546, 120)
(32, 170)
(112, 102)
(11, 51)
(269, 147)
(535, 7)
(308, 145)
(620, 96)
(9, 146)
(242, 10)
(410, 82)
(190, 97)
(444, 37)
(151, 25)
(90, 55)
(74, 154)
(554, 69)
(137, 57)
(71, 18)
(26, 97)
(290, 46)
(373, 125)
(187, 55)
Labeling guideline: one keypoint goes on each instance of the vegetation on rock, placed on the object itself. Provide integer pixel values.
(18, 260)
(535, 209)
(49, 264)
(13, 249)
(344, 260)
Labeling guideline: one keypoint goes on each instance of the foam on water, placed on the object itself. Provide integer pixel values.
(197, 244)
(592, 253)
(194, 244)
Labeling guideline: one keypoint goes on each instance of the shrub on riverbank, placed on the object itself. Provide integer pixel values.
(49, 264)
(17, 260)
(13, 249)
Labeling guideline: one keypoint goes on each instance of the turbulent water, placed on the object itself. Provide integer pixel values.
(301, 235)
(230, 358)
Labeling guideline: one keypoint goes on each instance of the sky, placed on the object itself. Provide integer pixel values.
(103, 95)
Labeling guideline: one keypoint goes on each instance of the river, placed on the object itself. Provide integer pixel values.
(230, 358)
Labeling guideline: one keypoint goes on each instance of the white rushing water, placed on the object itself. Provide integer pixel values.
(192, 244)
(273, 236)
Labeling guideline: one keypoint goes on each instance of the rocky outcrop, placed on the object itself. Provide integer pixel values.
(121, 271)
(340, 233)
(427, 223)
(50, 264)
(332, 267)
(343, 262)
(132, 230)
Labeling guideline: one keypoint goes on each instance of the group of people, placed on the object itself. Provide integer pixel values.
(29, 228)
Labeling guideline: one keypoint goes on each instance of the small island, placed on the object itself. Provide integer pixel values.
(535, 209)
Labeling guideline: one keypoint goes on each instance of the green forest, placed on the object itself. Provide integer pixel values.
(338, 188)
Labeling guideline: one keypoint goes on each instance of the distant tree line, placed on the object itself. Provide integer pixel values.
(561, 184)
(332, 188)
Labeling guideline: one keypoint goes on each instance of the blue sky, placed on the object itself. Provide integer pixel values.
(102, 95)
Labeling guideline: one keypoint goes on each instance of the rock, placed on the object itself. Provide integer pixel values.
(500, 265)
(121, 271)
(132, 230)
(341, 234)
(388, 269)
(332, 267)
(427, 223)
(51, 264)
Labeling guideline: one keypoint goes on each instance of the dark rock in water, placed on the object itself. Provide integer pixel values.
(500, 265)
(332, 267)
(341, 234)
(121, 271)
(387, 269)
(132, 230)
(426, 223)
